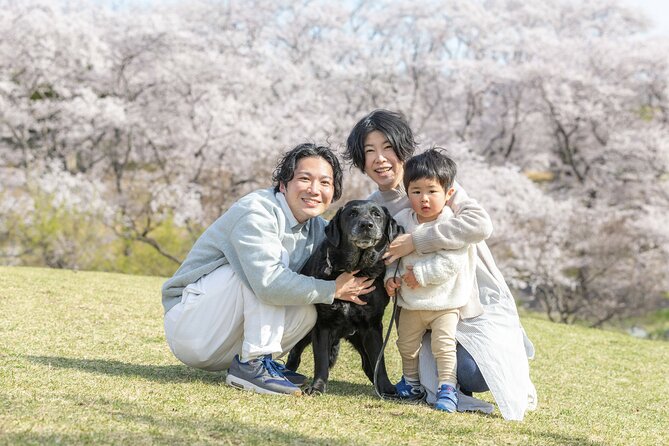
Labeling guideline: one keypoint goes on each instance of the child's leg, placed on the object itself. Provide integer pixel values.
(443, 326)
(410, 330)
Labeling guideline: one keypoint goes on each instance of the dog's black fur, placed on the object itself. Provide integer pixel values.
(356, 238)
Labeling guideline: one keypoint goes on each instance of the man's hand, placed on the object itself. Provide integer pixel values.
(399, 247)
(349, 287)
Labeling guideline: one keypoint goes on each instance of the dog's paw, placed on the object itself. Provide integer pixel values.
(313, 390)
(389, 394)
(387, 389)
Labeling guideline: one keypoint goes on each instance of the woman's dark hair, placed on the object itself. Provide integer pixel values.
(285, 169)
(433, 164)
(393, 125)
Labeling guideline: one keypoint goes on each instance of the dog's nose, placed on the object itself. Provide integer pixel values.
(365, 224)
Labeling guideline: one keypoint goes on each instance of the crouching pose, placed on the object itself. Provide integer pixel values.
(236, 302)
(493, 349)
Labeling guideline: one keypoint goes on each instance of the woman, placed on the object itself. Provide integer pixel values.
(492, 348)
(236, 300)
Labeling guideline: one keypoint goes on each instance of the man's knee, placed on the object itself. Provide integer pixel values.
(299, 322)
(301, 319)
(310, 316)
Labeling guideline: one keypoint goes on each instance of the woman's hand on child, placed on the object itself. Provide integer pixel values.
(392, 284)
(409, 278)
(399, 247)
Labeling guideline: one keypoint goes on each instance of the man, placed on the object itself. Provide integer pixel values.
(237, 299)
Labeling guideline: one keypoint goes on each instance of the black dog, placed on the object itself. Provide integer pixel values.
(356, 238)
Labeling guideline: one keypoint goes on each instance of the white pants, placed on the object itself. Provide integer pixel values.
(219, 317)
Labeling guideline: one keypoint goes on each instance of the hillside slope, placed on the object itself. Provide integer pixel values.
(83, 360)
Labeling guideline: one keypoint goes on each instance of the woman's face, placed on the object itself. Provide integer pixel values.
(381, 163)
(310, 191)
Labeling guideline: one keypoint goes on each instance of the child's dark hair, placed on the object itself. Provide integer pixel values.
(285, 169)
(431, 164)
(392, 124)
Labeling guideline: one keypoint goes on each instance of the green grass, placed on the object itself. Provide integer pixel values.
(83, 361)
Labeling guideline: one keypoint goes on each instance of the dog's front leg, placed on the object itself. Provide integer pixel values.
(356, 340)
(321, 345)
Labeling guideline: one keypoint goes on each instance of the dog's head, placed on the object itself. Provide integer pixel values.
(363, 224)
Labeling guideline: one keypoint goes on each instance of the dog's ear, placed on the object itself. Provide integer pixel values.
(392, 228)
(332, 230)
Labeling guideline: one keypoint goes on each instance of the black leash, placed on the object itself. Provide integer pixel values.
(387, 396)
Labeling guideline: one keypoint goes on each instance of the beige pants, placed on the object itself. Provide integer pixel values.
(411, 328)
(220, 317)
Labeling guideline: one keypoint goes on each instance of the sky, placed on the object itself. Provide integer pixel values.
(656, 10)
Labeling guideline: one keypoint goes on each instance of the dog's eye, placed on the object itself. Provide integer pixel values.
(376, 214)
(353, 213)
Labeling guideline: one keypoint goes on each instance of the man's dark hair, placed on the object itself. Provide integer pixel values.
(285, 169)
(392, 124)
(431, 164)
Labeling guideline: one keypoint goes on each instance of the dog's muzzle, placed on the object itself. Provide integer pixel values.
(365, 234)
(365, 243)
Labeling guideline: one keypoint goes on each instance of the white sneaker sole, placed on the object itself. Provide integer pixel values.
(242, 384)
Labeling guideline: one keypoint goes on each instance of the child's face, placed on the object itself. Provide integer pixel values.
(428, 198)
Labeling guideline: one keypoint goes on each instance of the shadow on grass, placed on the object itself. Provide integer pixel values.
(132, 423)
(160, 373)
(173, 373)
(183, 373)
(251, 436)
(345, 388)
(193, 429)
(557, 438)
(174, 431)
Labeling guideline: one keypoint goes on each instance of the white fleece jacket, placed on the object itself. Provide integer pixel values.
(446, 277)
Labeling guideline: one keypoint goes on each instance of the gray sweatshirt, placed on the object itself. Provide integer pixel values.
(265, 245)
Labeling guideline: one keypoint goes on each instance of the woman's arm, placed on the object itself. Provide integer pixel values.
(470, 225)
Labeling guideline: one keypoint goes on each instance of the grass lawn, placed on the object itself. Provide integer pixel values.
(83, 361)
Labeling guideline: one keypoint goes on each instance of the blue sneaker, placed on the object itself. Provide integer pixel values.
(260, 375)
(447, 399)
(296, 378)
(409, 391)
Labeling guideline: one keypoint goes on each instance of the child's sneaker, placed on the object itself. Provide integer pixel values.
(447, 399)
(260, 375)
(409, 391)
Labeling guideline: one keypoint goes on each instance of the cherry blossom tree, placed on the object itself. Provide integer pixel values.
(149, 121)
